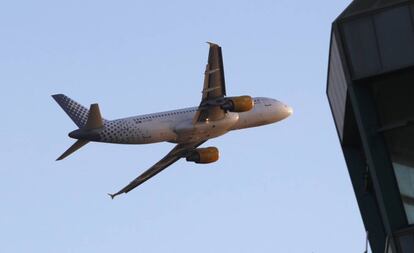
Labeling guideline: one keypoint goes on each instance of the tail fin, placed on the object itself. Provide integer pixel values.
(77, 112)
(89, 122)
(94, 118)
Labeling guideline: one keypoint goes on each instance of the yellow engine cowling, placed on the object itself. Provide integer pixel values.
(239, 104)
(204, 155)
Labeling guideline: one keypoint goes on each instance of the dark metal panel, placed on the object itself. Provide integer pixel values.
(395, 35)
(405, 240)
(337, 88)
(367, 203)
(363, 6)
(393, 95)
(406, 244)
(380, 167)
(361, 47)
(412, 14)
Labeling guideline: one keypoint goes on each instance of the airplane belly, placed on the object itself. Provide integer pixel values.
(252, 118)
(187, 131)
(160, 131)
(155, 131)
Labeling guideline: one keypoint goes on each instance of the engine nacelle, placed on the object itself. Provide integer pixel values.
(238, 104)
(204, 155)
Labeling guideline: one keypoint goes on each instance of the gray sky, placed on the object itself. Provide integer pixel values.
(279, 188)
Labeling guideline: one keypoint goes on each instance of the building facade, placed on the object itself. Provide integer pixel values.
(370, 88)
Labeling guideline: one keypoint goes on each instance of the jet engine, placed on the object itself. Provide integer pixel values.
(204, 155)
(238, 104)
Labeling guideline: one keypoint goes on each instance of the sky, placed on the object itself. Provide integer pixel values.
(279, 188)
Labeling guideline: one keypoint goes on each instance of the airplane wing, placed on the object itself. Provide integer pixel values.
(179, 151)
(214, 87)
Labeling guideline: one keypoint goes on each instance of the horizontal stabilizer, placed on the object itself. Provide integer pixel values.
(77, 145)
(77, 112)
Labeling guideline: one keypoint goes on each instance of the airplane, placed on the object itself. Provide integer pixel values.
(188, 128)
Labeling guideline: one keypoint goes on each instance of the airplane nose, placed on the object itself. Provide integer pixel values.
(289, 110)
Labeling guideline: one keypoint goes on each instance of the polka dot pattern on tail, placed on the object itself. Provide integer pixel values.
(78, 113)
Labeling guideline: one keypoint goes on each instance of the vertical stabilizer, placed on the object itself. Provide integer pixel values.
(94, 118)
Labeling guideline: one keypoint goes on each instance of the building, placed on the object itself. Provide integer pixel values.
(370, 89)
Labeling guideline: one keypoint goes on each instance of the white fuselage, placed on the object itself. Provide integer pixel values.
(177, 126)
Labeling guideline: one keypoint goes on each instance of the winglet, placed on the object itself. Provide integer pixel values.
(114, 194)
